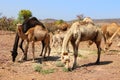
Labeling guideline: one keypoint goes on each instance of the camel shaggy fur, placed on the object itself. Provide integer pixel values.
(77, 33)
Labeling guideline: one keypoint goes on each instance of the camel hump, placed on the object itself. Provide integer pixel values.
(114, 24)
(88, 20)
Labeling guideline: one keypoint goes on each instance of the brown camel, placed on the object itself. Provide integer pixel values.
(37, 33)
(108, 31)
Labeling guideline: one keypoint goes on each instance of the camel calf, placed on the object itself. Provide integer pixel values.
(57, 39)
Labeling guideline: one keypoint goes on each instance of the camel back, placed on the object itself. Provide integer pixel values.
(37, 33)
(31, 22)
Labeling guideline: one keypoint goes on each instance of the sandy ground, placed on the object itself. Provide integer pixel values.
(109, 68)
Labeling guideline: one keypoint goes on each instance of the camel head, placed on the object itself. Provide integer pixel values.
(65, 58)
(108, 44)
(14, 55)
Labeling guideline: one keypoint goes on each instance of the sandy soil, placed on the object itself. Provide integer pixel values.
(109, 68)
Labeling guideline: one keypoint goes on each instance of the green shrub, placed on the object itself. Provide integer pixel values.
(59, 22)
(37, 67)
(59, 64)
(65, 69)
(47, 71)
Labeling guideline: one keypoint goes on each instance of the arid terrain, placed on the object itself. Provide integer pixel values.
(109, 68)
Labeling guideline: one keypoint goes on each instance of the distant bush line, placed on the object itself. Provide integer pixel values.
(10, 24)
(7, 24)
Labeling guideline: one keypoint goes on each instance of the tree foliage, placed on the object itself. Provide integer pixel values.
(24, 14)
(59, 22)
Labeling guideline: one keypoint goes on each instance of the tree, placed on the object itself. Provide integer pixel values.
(58, 22)
(23, 15)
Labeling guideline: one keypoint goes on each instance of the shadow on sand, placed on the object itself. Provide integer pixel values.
(50, 58)
(93, 64)
(40, 60)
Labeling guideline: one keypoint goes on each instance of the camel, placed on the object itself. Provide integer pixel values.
(77, 33)
(109, 41)
(57, 39)
(108, 31)
(37, 33)
(27, 24)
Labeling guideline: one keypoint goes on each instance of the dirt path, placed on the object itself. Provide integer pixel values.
(109, 68)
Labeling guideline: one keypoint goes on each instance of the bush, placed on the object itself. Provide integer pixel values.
(7, 24)
(65, 69)
(59, 22)
(59, 64)
(38, 68)
(47, 71)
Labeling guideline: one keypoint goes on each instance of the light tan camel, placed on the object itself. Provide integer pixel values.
(77, 33)
(57, 39)
(37, 33)
(108, 31)
(109, 41)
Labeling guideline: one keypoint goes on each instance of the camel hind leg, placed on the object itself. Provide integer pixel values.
(24, 57)
(21, 47)
(98, 44)
(47, 45)
(43, 45)
(33, 50)
(98, 52)
(49, 50)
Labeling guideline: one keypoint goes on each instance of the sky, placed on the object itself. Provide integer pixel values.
(62, 9)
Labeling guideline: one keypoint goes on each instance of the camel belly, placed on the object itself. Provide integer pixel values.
(89, 36)
(39, 37)
(88, 33)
